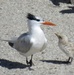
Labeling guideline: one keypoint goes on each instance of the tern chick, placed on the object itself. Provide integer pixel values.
(66, 46)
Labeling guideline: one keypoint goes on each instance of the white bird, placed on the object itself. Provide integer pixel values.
(66, 46)
(33, 41)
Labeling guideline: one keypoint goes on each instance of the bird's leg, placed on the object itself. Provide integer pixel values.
(70, 60)
(27, 61)
(31, 62)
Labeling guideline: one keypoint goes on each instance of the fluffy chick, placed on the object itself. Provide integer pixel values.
(66, 46)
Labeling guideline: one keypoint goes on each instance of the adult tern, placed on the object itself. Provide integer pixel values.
(33, 41)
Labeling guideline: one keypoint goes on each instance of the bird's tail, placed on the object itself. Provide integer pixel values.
(5, 40)
(10, 40)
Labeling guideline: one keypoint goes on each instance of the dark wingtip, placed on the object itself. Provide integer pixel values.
(30, 16)
(11, 44)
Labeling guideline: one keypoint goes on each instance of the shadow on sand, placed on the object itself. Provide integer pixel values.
(55, 61)
(12, 65)
(57, 2)
(70, 10)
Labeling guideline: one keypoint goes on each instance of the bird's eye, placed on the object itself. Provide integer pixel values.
(60, 37)
(38, 19)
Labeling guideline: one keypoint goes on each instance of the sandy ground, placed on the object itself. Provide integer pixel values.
(13, 22)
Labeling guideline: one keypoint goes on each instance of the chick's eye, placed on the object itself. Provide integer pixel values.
(60, 37)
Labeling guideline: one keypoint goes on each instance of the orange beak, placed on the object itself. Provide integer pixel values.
(48, 23)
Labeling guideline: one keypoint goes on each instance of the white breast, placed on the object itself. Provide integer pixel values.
(39, 43)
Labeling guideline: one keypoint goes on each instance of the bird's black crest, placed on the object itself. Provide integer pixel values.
(31, 17)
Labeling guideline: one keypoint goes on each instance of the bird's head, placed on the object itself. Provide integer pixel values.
(62, 38)
(37, 20)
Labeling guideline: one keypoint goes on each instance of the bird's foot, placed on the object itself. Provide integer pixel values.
(70, 60)
(31, 63)
(27, 62)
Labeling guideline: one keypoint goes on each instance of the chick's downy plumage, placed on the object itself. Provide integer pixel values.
(66, 46)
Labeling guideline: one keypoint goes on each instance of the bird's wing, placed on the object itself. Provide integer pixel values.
(68, 49)
(64, 48)
(71, 46)
(23, 43)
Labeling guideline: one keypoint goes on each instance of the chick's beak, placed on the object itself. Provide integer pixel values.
(48, 23)
(57, 35)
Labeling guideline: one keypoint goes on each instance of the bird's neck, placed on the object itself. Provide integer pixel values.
(34, 29)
